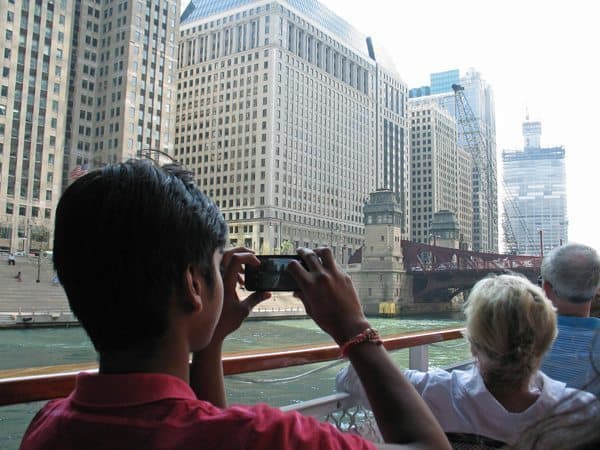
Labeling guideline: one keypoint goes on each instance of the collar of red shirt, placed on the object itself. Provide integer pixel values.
(110, 390)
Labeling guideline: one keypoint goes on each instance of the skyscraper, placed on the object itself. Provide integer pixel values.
(441, 82)
(290, 118)
(121, 81)
(83, 83)
(440, 171)
(482, 128)
(35, 42)
(535, 201)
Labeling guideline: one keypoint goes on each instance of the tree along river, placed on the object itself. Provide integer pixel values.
(53, 346)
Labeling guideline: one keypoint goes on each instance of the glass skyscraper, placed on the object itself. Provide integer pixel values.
(535, 201)
(442, 81)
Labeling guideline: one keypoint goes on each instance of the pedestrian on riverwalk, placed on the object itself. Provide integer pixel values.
(11, 259)
(148, 309)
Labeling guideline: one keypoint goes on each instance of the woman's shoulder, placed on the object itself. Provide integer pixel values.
(455, 379)
(567, 398)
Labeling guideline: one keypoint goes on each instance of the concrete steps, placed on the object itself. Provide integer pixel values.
(29, 302)
(28, 295)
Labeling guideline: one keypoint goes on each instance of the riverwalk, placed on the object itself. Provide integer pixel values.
(38, 300)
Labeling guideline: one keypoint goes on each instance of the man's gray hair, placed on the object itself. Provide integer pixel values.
(573, 270)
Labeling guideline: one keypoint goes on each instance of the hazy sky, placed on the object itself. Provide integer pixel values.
(540, 56)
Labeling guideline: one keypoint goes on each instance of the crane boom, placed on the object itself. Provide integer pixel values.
(484, 174)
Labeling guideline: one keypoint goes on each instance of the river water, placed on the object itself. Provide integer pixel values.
(43, 347)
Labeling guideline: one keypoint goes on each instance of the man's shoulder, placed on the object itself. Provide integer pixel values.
(257, 427)
(576, 331)
(575, 323)
(42, 423)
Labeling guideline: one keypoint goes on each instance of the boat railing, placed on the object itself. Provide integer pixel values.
(46, 383)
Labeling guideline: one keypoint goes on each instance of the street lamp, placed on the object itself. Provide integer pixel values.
(39, 262)
(278, 243)
(333, 227)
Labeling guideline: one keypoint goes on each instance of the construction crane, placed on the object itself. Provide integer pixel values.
(484, 173)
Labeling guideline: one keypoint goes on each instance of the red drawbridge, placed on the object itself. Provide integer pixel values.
(440, 273)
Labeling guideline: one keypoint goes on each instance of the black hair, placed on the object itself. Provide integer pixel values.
(124, 236)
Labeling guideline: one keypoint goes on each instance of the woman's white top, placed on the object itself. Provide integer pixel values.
(462, 404)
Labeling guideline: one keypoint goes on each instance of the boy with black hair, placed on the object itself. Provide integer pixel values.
(139, 252)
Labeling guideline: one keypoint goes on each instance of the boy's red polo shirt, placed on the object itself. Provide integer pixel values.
(159, 411)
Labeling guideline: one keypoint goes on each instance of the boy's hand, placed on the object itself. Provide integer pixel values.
(328, 294)
(236, 310)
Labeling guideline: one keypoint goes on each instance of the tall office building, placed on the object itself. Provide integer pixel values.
(441, 82)
(440, 171)
(289, 118)
(536, 199)
(83, 83)
(121, 81)
(35, 43)
(479, 96)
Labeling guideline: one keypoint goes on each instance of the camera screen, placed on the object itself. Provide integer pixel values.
(271, 275)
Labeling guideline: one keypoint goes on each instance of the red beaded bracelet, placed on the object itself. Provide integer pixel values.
(368, 335)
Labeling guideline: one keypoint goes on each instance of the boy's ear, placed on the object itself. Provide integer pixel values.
(191, 295)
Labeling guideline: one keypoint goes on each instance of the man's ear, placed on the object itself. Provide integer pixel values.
(548, 289)
(192, 290)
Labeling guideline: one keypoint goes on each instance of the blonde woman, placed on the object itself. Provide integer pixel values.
(510, 325)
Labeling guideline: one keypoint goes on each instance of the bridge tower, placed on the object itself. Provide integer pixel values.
(381, 281)
(445, 229)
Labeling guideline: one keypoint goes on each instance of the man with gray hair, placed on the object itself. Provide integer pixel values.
(570, 279)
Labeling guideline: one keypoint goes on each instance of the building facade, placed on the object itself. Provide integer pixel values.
(35, 43)
(535, 202)
(440, 171)
(441, 82)
(289, 117)
(477, 135)
(121, 82)
(83, 83)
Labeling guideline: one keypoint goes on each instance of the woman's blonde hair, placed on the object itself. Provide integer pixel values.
(510, 325)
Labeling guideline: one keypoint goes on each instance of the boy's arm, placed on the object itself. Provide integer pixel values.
(331, 300)
(206, 370)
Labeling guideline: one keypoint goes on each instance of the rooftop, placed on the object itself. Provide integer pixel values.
(311, 9)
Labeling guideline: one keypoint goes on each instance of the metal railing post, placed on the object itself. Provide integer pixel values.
(418, 358)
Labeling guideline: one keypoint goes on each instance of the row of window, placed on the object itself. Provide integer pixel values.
(22, 210)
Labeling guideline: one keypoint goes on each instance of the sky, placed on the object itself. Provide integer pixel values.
(538, 56)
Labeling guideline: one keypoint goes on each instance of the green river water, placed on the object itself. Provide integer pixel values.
(43, 347)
